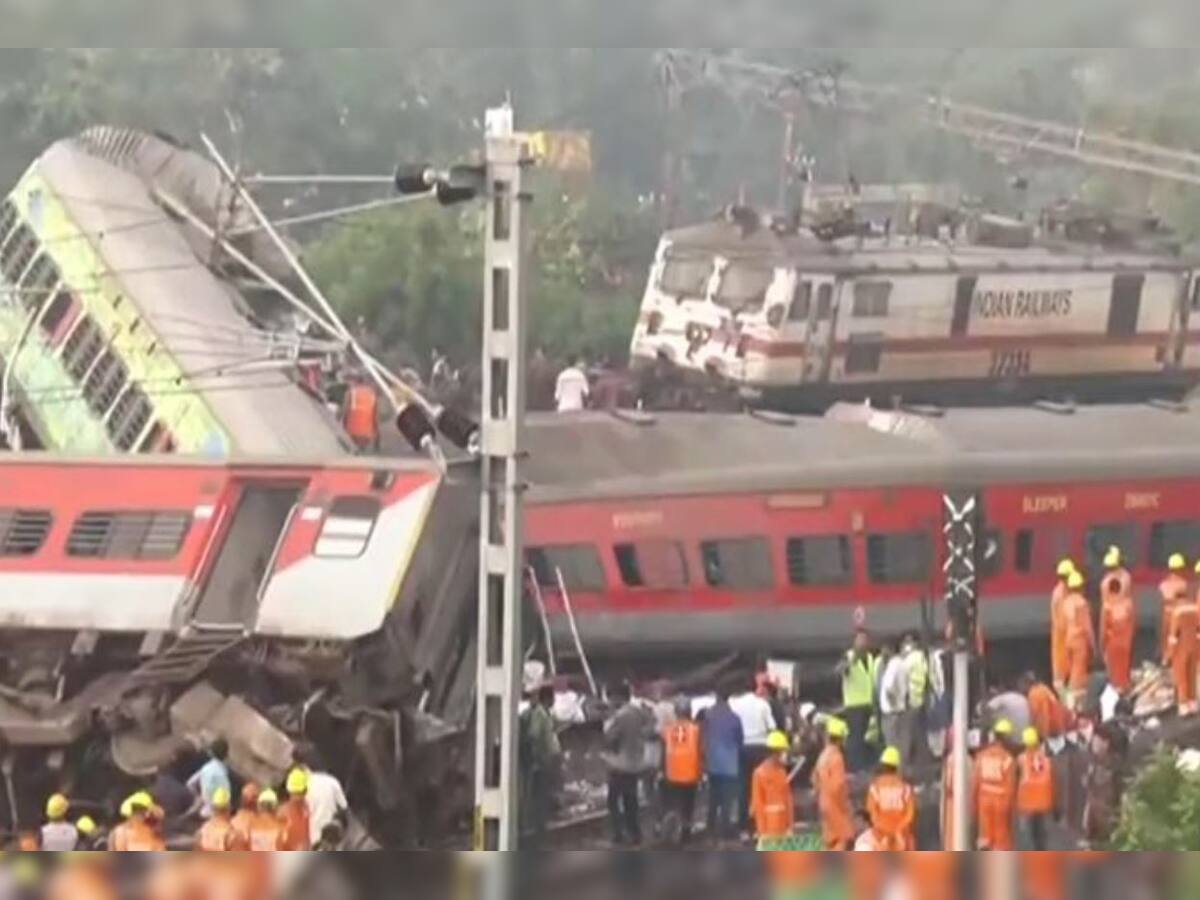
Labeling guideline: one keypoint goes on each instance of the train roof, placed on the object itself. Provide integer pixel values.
(600, 456)
(901, 255)
(194, 313)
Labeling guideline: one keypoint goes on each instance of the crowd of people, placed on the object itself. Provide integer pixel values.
(1047, 757)
(309, 812)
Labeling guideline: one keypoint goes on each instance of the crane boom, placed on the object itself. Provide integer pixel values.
(789, 90)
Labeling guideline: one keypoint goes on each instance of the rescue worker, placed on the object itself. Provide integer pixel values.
(1174, 590)
(243, 819)
(1118, 622)
(137, 834)
(892, 805)
(772, 804)
(859, 671)
(994, 790)
(1181, 655)
(916, 663)
(1035, 792)
(268, 833)
(833, 790)
(89, 833)
(59, 835)
(1046, 710)
(82, 876)
(295, 812)
(1081, 640)
(683, 767)
(360, 415)
(217, 834)
(1059, 662)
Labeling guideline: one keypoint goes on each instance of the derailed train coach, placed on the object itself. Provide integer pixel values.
(148, 606)
(797, 323)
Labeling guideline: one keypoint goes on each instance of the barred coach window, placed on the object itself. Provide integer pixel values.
(348, 528)
(129, 535)
(823, 561)
(657, 565)
(739, 563)
(900, 558)
(23, 532)
(579, 564)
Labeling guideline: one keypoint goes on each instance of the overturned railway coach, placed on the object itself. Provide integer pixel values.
(703, 534)
(797, 323)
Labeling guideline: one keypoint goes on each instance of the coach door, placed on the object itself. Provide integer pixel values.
(964, 298)
(243, 554)
(822, 333)
(1126, 307)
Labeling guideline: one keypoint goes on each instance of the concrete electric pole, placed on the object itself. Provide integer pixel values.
(502, 430)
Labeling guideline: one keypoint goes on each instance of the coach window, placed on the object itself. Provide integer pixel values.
(872, 299)
(802, 302)
(8, 220)
(900, 558)
(742, 564)
(579, 565)
(129, 535)
(658, 565)
(23, 532)
(21, 247)
(744, 287)
(1169, 538)
(865, 354)
(820, 561)
(348, 528)
(1101, 538)
(1024, 551)
(991, 553)
(824, 302)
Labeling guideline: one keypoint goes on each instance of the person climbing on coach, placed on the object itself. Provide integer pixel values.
(1059, 662)
(1174, 590)
(1183, 644)
(1118, 622)
(1081, 640)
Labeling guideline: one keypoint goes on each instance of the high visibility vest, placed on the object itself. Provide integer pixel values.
(994, 774)
(771, 801)
(918, 679)
(858, 684)
(216, 836)
(266, 834)
(295, 818)
(362, 412)
(684, 763)
(1035, 793)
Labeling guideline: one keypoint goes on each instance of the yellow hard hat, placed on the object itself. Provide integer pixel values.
(891, 758)
(1112, 559)
(57, 807)
(1066, 569)
(836, 728)
(86, 826)
(268, 798)
(221, 798)
(1177, 563)
(1076, 581)
(297, 782)
(777, 742)
(139, 801)
(1031, 738)
(1003, 728)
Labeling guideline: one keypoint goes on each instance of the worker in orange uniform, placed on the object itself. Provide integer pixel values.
(1174, 590)
(360, 414)
(892, 804)
(1046, 710)
(1059, 664)
(994, 790)
(683, 767)
(247, 811)
(217, 835)
(1118, 622)
(1081, 640)
(137, 834)
(772, 803)
(833, 789)
(82, 876)
(1183, 641)
(1035, 792)
(267, 832)
(295, 812)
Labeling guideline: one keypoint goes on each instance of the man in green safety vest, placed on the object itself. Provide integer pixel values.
(859, 670)
(916, 661)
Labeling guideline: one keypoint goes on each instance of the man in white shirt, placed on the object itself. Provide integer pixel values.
(572, 391)
(326, 803)
(757, 724)
(893, 699)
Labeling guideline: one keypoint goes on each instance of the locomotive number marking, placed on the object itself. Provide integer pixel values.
(1136, 502)
(1011, 363)
(1042, 506)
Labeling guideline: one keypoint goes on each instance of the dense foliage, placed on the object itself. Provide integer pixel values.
(1161, 810)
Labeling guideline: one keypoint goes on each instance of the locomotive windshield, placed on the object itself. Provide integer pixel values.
(686, 276)
(744, 287)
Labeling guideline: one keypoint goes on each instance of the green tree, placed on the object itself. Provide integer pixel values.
(1161, 809)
